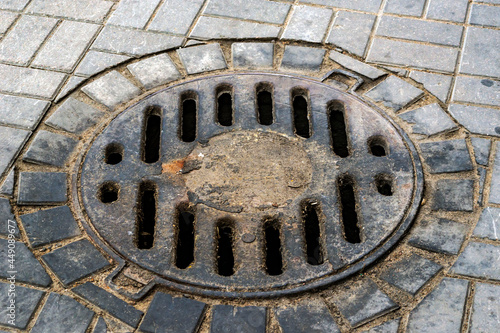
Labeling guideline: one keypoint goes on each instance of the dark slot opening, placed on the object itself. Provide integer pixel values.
(338, 129)
(265, 104)
(225, 256)
(272, 247)
(113, 154)
(384, 184)
(314, 247)
(348, 209)
(146, 215)
(185, 238)
(225, 106)
(152, 136)
(378, 146)
(108, 192)
(301, 115)
(188, 118)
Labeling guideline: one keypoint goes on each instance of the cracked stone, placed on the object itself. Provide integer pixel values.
(437, 84)
(95, 62)
(394, 93)
(488, 225)
(356, 65)
(429, 120)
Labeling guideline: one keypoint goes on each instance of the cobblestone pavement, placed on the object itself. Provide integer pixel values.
(69, 67)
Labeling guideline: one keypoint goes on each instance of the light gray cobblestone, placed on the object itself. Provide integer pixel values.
(89, 10)
(71, 84)
(448, 10)
(356, 65)
(13, 4)
(20, 111)
(6, 20)
(485, 15)
(218, 27)
(477, 91)
(405, 7)
(486, 308)
(351, 31)
(268, 11)
(133, 13)
(202, 58)
(481, 56)
(154, 71)
(394, 93)
(362, 5)
(111, 89)
(468, 117)
(74, 116)
(302, 58)
(253, 55)
(183, 19)
(308, 24)
(429, 119)
(437, 84)
(95, 62)
(488, 225)
(479, 260)
(11, 142)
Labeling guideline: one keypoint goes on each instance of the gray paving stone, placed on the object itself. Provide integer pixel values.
(202, 58)
(26, 268)
(168, 314)
(454, 195)
(491, 1)
(447, 156)
(363, 302)
(418, 30)
(155, 71)
(404, 7)
(11, 142)
(481, 56)
(482, 178)
(308, 24)
(476, 90)
(486, 308)
(66, 46)
(439, 235)
(41, 188)
(111, 90)
(307, 316)
(362, 5)
(28, 81)
(356, 65)
(217, 27)
(411, 274)
(488, 225)
(403, 53)
(71, 84)
(495, 178)
(7, 187)
(75, 261)
(110, 303)
(8, 219)
(62, 314)
(100, 326)
(95, 62)
(50, 148)
(13, 4)
(485, 15)
(394, 93)
(255, 10)
(88, 10)
(133, 13)
(468, 117)
(482, 149)
(133, 42)
(6, 20)
(253, 55)
(74, 116)
(26, 303)
(448, 10)
(358, 26)
(479, 260)
(302, 58)
(387, 327)
(184, 16)
(51, 225)
(20, 111)
(437, 84)
(429, 120)
(25, 38)
(441, 310)
(248, 319)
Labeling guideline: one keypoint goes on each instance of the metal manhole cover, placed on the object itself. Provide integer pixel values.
(251, 184)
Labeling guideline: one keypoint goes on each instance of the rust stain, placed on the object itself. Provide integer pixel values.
(173, 167)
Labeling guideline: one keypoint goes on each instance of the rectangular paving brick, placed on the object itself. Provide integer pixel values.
(495, 179)
(26, 303)
(479, 260)
(411, 54)
(308, 24)
(454, 195)
(448, 10)
(371, 6)
(215, 27)
(405, 7)
(74, 116)
(11, 142)
(437, 84)
(111, 89)
(485, 15)
(25, 38)
(13, 4)
(477, 90)
(6, 20)
(253, 55)
(481, 54)
(356, 66)
(304, 315)
(202, 58)
(133, 13)
(63, 50)
(486, 308)
(154, 71)
(42, 188)
(89, 10)
(50, 148)
(439, 235)
(302, 58)
(351, 31)
(183, 19)
(95, 62)
(468, 117)
(256, 10)
(20, 111)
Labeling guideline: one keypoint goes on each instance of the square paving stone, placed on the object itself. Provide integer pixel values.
(51, 225)
(486, 308)
(481, 56)
(477, 91)
(11, 142)
(479, 260)
(495, 178)
(50, 148)
(308, 24)
(168, 314)
(202, 58)
(411, 274)
(74, 116)
(359, 27)
(405, 7)
(184, 16)
(8, 221)
(437, 84)
(21, 111)
(248, 319)
(454, 195)
(310, 316)
(469, 116)
(447, 156)
(75, 261)
(429, 120)
(154, 71)
(302, 58)
(133, 13)
(394, 93)
(95, 62)
(253, 55)
(62, 314)
(439, 235)
(110, 303)
(363, 302)
(111, 90)
(42, 188)
(388, 327)
(488, 225)
(26, 301)
(481, 150)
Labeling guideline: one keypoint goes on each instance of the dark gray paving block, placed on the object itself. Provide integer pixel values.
(110, 303)
(485, 15)
(307, 316)
(437, 84)
(479, 260)
(100, 326)
(449, 10)
(477, 91)
(447, 156)
(441, 310)
(50, 148)
(429, 119)
(388, 327)
(470, 116)
(74, 116)
(111, 90)
(7, 187)
(155, 71)
(481, 150)
(95, 62)
(302, 58)
(62, 314)
(359, 27)
(481, 56)
(75, 261)
(454, 195)
(26, 301)
(41, 188)
(255, 10)
(411, 274)
(50, 225)
(8, 221)
(26, 267)
(404, 7)
(308, 24)
(209, 27)
(356, 65)
(394, 93)
(202, 58)
(495, 178)
(486, 308)
(11, 142)
(488, 225)
(363, 302)
(253, 55)
(248, 319)
(184, 16)
(20, 111)
(168, 314)
(482, 178)
(439, 235)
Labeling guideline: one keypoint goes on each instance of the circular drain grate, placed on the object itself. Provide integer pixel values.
(251, 184)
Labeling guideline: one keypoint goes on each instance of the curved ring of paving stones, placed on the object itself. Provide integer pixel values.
(120, 195)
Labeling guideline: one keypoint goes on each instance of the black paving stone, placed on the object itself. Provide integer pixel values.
(168, 314)
(50, 148)
(481, 150)
(411, 274)
(228, 318)
(100, 326)
(42, 188)
(447, 156)
(110, 303)
(75, 261)
(454, 195)
(441, 235)
(6, 216)
(308, 316)
(26, 301)
(51, 225)
(62, 314)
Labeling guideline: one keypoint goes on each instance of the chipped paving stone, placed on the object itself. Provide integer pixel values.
(95, 62)
(481, 150)
(447, 156)
(468, 117)
(50, 148)
(202, 58)
(429, 120)
(307, 316)
(394, 93)
(154, 71)
(22, 112)
(111, 90)
(479, 260)
(488, 225)
(439, 235)
(486, 308)
(308, 24)
(74, 116)
(302, 58)
(253, 55)
(26, 303)
(454, 195)
(248, 319)
(437, 84)
(356, 65)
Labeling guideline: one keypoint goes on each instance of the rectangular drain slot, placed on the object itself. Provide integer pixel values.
(272, 247)
(312, 231)
(184, 254)
(338, 128)
(225, 255)
(265, 103)
(146, 215)
(189, 106)
(300, 107)
(348, 209)
(225, 107)
(152, 135)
